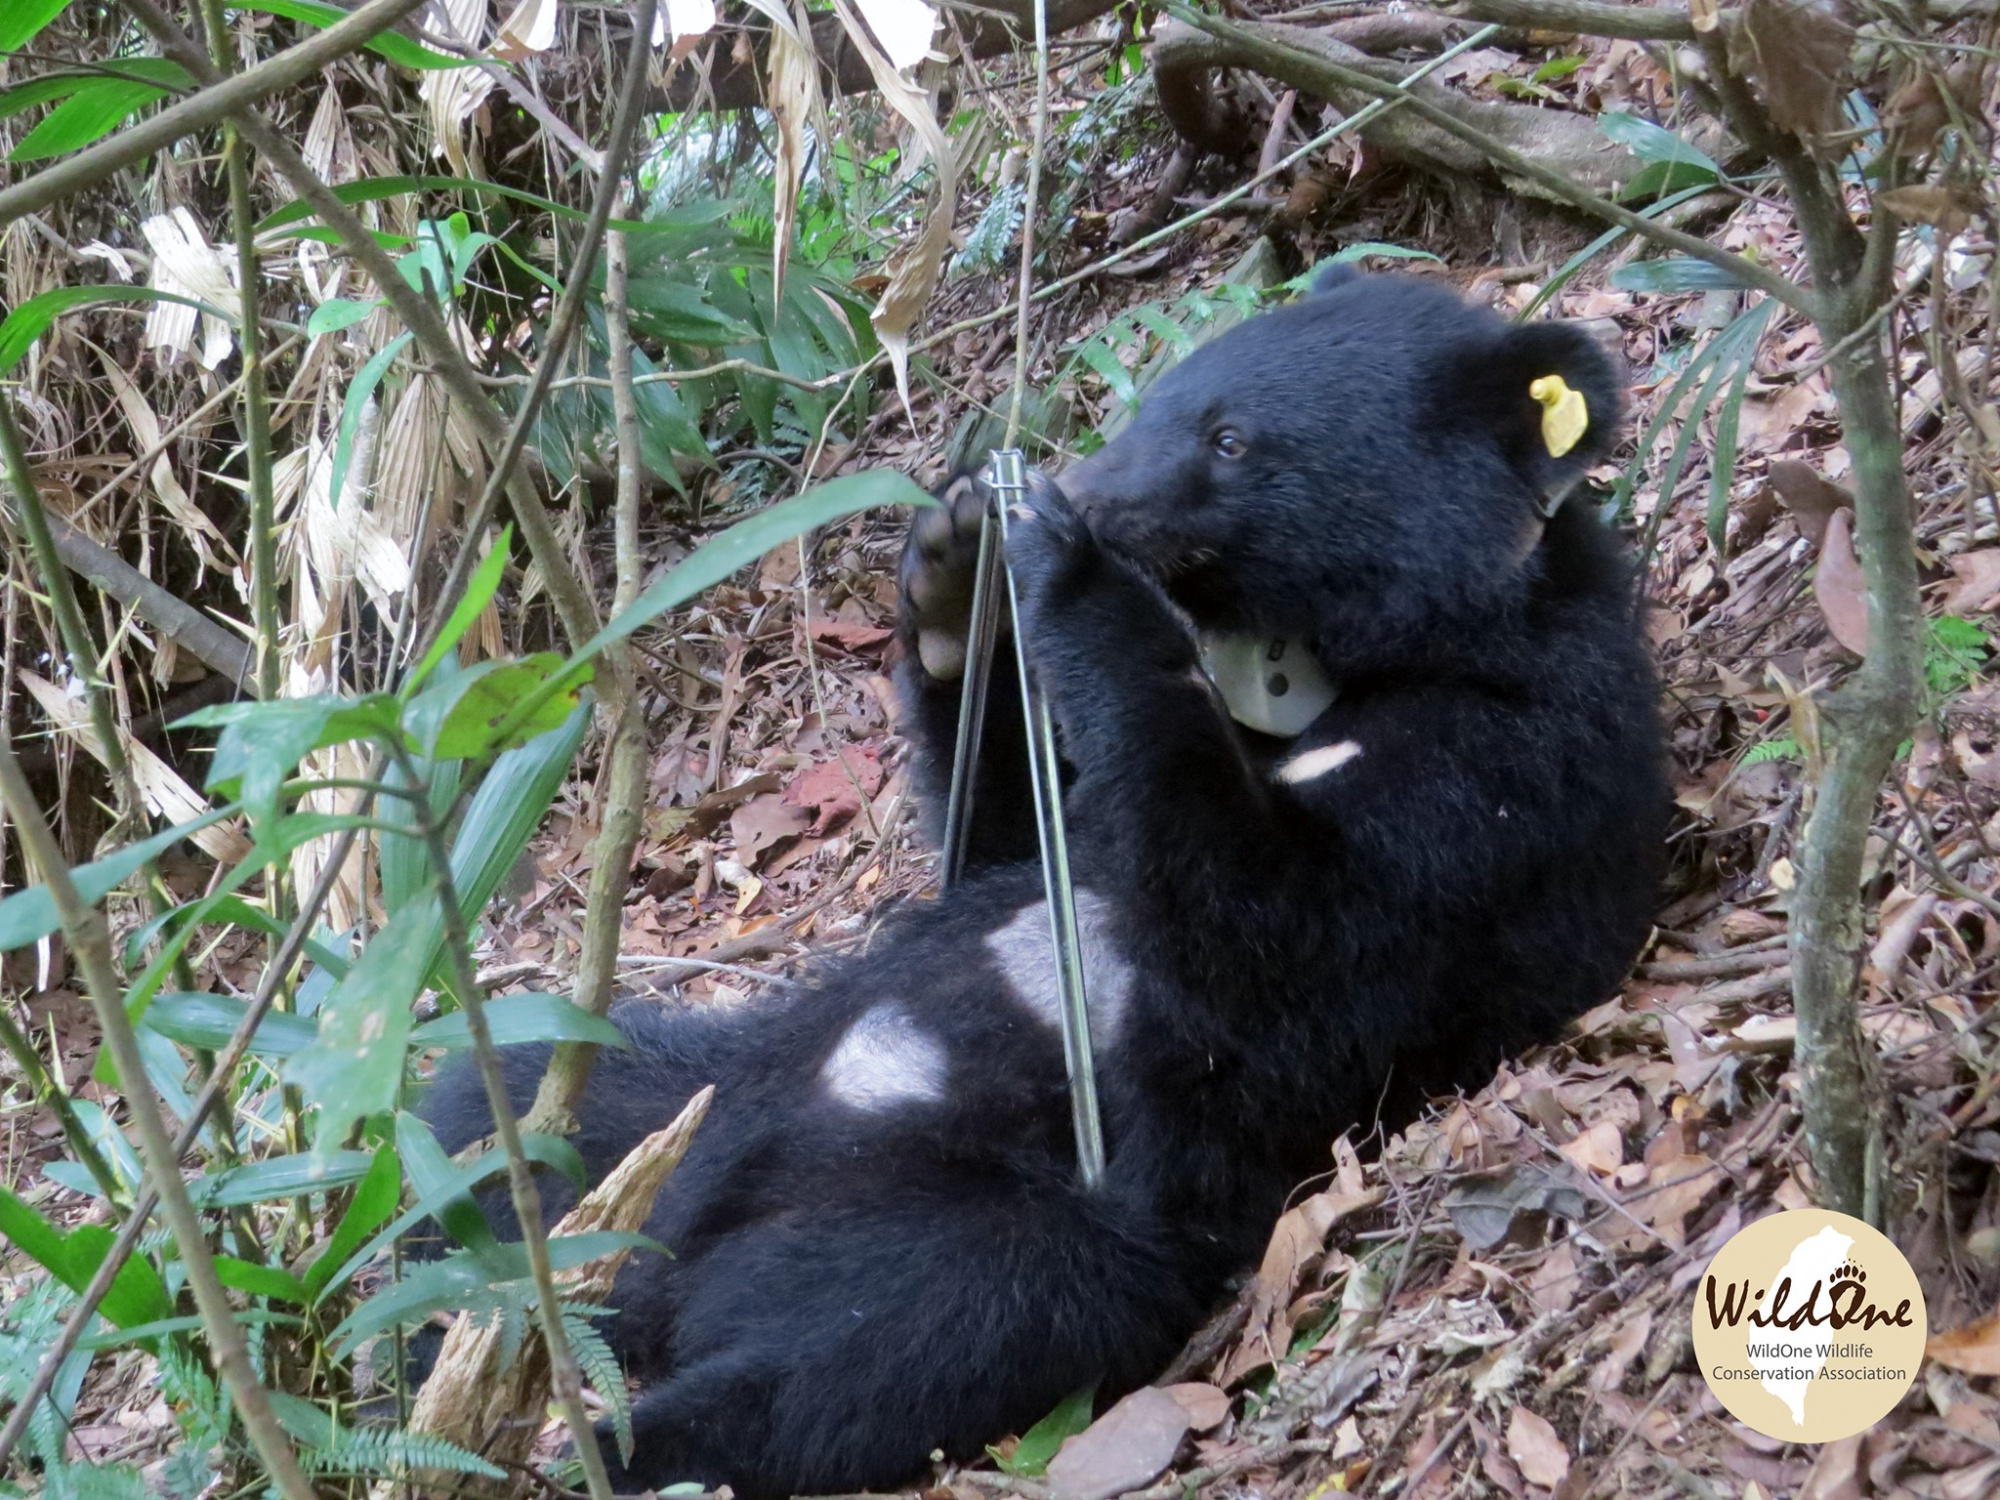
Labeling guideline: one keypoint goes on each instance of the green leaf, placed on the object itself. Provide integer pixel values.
(260, 1281)
(467, 1280)
(1676, 273)
(1381, 248)
(48, 87)
(289, 1176)
(30, 915)
(21, 19)
(190, 1323)
(749, 539)
(514, 1019)
(397, 48)
(504, 812)
(32, 318)
(479, 589)
(90, 113)
(34, 1236)
(1596, 247)
(351, 407)
(337, 313)
(1039, 1443)
(262, 742)
(1165, 329)
(444, 1191)
(1649, 142)
(137, 1294)
(1096, 353)
(354, 1068)
(1661, 177)
(739, 546)
(42, 90)
(374, 1200)
(495, 705)
(207, 1021)
(1557, 67)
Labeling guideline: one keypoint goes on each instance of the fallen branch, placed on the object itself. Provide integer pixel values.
(470, 1398)
(1636, 23)
(1442, 132)
(174, 618)
(1277, 51)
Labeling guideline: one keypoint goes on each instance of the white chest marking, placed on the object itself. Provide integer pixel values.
(885, 1060)
(1308, 764)
(1026, 956)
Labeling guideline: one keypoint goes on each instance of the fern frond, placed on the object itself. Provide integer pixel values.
(600, 1367)
(387, 1451)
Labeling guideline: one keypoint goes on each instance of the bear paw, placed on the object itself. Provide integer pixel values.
(937, 573)
(1048, 547)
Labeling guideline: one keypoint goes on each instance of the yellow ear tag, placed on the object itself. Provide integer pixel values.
(1565, 418)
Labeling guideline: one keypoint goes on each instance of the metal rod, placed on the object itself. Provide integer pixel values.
(980, 638)
(1010, 483)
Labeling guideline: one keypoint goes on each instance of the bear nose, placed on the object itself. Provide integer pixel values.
(1083, 484)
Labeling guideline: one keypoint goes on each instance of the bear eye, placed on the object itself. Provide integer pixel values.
(1229, 443)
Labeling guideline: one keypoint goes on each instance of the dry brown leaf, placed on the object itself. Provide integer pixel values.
(1299, 1236)
(1809, 497)
(1976, 585)
(1975, 1348)
(1835, 1472)
(451, 95)
(835, 788)
(1797, 53)
(1536, 1449)
(1121, 1450)
(763, 823)
(160, 786)
(194, 525)
(530, 29)
(187, 265)
(793, 97)
(1840, 588)
(915, 272)
(1950, 209)
(1206, 1405)
(1598, 1149)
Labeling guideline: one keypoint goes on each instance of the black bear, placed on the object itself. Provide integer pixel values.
(1365, 791)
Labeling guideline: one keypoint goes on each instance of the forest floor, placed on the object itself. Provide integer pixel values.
(1496, 1298)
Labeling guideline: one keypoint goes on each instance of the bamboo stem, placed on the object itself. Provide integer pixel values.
(564, 1375)
(90, 941)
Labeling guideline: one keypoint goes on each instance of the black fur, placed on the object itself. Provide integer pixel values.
(853, 1289)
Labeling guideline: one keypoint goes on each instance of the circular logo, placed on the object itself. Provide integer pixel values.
(1809, 1325)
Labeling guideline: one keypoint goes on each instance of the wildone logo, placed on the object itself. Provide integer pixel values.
(1809, 1325)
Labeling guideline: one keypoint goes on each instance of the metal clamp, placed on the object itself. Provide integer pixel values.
(1009, 482)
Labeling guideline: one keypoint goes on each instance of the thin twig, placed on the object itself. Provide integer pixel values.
(622, 800)
(226, 1064)
(422, 318)
(218, 100)
(563, 1373)
(1030, 203)
(263, 549)
(90, 941)
(77, 644)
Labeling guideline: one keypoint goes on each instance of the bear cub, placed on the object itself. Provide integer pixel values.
(1365, 789)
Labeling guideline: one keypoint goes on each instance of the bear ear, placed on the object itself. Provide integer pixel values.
(1555, 399)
